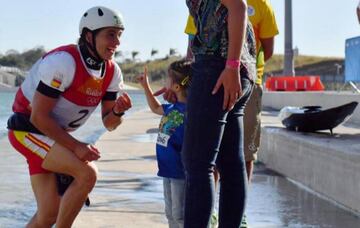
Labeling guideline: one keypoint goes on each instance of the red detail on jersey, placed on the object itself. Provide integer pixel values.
(21, 103)
(86, 90)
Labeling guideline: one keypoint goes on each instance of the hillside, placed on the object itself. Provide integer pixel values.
(314, 65)
(157, 70)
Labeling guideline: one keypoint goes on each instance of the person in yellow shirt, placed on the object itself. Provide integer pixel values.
(190, 30)
(262, 18)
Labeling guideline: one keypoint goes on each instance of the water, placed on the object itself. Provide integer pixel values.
(275, 202)
(89, 132)
(6, 100)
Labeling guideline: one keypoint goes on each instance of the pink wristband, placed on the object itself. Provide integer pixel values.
(233, 63)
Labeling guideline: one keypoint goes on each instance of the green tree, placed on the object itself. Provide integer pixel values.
(118, 54)
(154, 52)
(32, 55)
(172, 51)
(134, 54)
(24, 60)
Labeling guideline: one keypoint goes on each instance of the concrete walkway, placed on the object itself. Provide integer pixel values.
(128, 192)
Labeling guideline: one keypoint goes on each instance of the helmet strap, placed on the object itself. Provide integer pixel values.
(92, 59)
(94, 33)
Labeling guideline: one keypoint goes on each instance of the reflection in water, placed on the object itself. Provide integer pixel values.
(275, 201)
(17, 214)
(145, 138)
(129, 190)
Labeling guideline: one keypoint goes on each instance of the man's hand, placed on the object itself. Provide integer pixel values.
(230, 80)
(87, 152)
(122, 103)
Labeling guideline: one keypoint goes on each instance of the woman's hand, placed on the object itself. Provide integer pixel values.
(230, 80)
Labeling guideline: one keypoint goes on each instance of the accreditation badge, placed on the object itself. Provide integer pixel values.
(162, 139)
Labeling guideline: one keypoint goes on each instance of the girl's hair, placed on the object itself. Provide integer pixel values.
(180, 73)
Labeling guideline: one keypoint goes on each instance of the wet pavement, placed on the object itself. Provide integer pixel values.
(275, 201)
(128, 186)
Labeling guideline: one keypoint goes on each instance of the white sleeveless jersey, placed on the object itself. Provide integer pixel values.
(82, 89)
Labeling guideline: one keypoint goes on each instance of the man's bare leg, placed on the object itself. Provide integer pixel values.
(61, 160)
(47, 199)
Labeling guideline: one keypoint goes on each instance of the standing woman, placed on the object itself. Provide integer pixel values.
(223, 73)
(62, 89)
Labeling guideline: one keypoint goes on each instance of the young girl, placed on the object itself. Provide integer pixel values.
(170, 138)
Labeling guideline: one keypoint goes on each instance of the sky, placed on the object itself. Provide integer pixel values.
(320, 27)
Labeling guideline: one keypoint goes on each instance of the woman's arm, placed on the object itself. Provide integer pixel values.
(230, 77)
(237, 19)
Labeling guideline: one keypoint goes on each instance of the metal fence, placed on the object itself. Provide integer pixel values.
(352, 56)
(332, 78)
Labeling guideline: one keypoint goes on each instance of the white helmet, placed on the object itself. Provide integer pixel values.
(100, 17)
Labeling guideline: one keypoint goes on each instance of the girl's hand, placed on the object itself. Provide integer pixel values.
(168, 95)
(143, 78)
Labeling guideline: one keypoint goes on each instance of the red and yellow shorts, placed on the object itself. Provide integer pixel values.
(34, 147)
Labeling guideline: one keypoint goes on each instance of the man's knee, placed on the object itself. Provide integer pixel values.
(87, 178)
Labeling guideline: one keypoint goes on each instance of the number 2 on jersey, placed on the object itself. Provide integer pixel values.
(75, 123)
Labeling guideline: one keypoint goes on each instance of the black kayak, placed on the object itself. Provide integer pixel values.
(313, 118)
